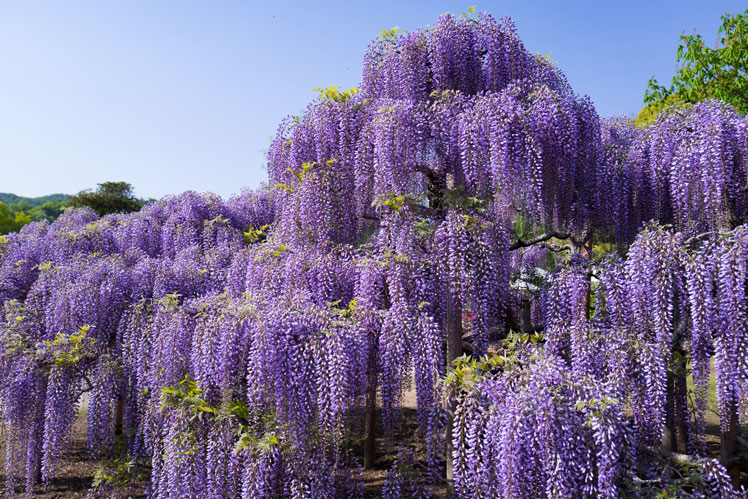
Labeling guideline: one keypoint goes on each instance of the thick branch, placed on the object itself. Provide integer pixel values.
(677, 457)
(556, 249)
(741, 441)
(539, 239)
(88, 381)
(699, 236)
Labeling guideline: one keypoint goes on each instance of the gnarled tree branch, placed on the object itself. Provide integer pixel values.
(539, 239)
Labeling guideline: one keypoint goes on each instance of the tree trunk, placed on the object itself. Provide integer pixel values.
(681, 405)
(675, 438)
(370, 444)
(669, 437)
(525, 320)
(453, 326)
(118, 416)
(587, 252)
(728, 448)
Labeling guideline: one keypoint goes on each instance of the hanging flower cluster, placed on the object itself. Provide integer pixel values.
(688, 169)
(673, 298)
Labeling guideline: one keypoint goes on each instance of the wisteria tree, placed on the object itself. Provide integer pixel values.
(463, 226)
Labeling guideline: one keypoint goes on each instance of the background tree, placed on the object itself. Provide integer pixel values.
(47, 207)
(648, 114)
(10, 198)
(706, 73)
(10, 220)
(49, 211)
(109, 197)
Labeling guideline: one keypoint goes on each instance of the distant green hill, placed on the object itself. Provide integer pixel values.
(8, 198)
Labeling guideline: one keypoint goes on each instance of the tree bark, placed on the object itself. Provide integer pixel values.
(587, 252)
(370, 444)
(669, 437)
(675, 438)
(539, 239)
(681, 405)
(728, 448)
(525, 320)
(119, 416)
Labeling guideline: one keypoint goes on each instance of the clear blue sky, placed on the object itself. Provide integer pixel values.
(174, 95)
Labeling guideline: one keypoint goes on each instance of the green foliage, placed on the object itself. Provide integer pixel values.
(67, 350)
(391, 35)
(307, 169)
(284, 187)
(456, 198)
(276, 251)
(253, 235)
(391, 257)
(343, 312)
(109, 197)
(598, 406)
(219, 220)
(515, 341)
(467, 371)
(649, 113)
(256, 446)
(425, 227)
(523, 226)
(16, 211)
(64, 351)
(238, 412)
(21, 206)
(170, 301)
(396, 203)
(187, 396)
(21, 219)
(123, 470)
(710, 73)
(13, 337)
(470, 14)
(10, 221)
(333, 94)
(47, 211)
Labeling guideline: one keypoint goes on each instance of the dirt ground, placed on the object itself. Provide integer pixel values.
(74, 475)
